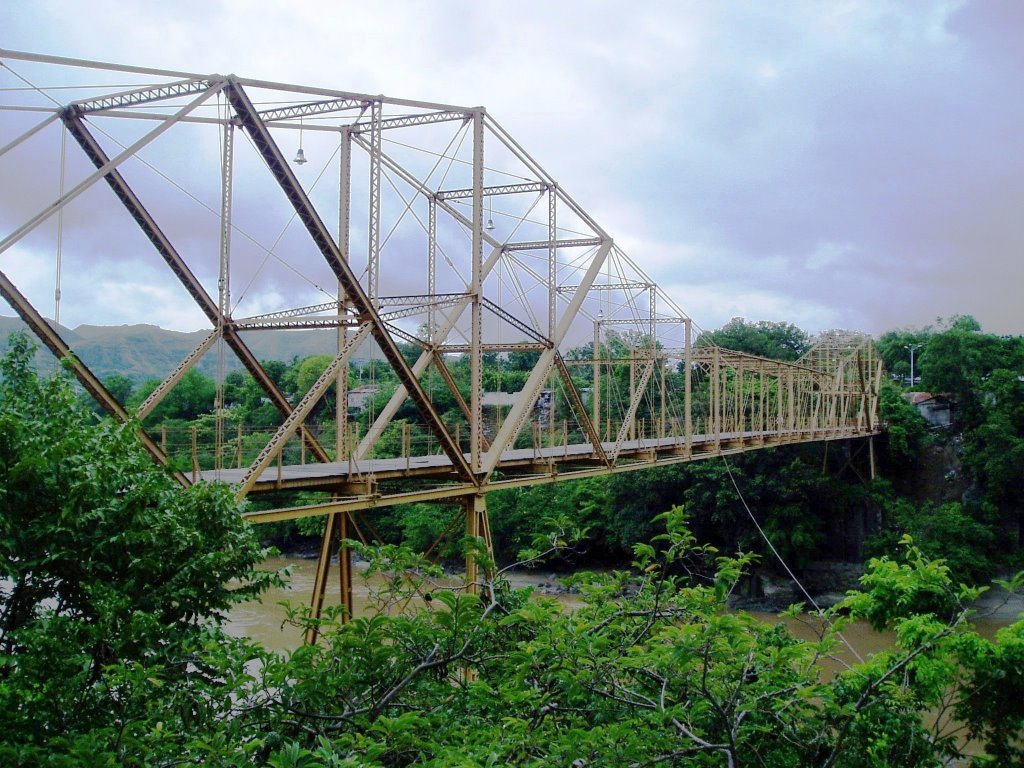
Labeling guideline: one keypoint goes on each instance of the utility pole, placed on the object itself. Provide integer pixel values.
(912, 347)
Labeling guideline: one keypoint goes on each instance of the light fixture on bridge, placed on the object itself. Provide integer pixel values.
(300, 156)
(490, 215)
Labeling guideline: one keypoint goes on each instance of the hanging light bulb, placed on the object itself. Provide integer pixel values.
(490, 215)
(490, 223)
(300, 156)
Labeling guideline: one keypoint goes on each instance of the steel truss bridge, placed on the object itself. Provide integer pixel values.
(426, 246)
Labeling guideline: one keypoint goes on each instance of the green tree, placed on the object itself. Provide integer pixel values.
(120, 386)
(192, 396)
(949, 532)
(959, 359)
(893, 346)
(651, 669)
(114, 580)
(775, 340)
(906, 431)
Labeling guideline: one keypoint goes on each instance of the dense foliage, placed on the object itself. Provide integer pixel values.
(114, 579)
(983, 374)
(777, 341)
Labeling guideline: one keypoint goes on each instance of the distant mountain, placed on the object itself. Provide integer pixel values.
(143, 352)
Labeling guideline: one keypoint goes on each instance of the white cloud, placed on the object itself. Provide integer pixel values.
(847, 162)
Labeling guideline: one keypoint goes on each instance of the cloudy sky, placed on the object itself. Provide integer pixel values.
(851, 164)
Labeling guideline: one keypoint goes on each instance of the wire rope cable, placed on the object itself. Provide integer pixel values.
(58, 266)
(779, 557)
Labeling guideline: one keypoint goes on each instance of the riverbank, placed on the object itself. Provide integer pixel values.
(827, 583)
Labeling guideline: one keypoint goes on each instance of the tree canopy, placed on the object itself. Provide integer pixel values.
(114, 579)
(775, 340)
(110, 573)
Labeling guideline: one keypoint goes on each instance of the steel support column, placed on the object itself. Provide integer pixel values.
(373, 232)
(344, 228)
(476, 362)
(223, 285)
(552, 258)
(478, 541)
(688, 388)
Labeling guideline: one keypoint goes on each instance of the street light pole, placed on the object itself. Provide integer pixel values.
(912, 347)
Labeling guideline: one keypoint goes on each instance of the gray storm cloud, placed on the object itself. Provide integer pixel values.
(839, 164)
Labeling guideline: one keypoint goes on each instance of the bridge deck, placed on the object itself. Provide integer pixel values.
(526, 460)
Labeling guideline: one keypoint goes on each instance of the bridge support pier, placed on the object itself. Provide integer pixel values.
(336, 527)
(478, 541)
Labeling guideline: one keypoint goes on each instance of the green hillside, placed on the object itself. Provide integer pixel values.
(143, 352)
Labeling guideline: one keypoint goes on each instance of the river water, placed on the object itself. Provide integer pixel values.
(264, 621)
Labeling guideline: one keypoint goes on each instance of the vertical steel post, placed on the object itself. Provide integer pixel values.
(344, 228)
(716, 398)
(596, 362)
(223, 286)
(431, 266)
(373, 252)
(476, 288)
(661, 370)
(552, 258)
(344, 567)
(688, 388)
(791, 397)
(632, 392)
(323, 566)
(477, 533)
(739, 401)
(762, 419)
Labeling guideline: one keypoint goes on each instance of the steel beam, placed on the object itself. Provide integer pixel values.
(302, 410)
(313, 108)
(540, 245)
(278, 166)
(407, 121)
(76, 127)
(145, 95)
(500, 189)
(476, 289)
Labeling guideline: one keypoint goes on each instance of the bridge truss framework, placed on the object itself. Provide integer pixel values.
(449, 247)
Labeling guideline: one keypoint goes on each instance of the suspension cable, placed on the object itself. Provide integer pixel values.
(60, 229)
(778, 557)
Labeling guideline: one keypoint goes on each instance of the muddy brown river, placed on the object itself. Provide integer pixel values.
(264, 621)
